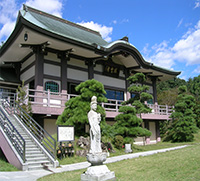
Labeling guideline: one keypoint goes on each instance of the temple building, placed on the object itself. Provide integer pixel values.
(52, 55)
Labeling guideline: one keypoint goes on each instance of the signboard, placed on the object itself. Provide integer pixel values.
(65, 133)
(111, 70)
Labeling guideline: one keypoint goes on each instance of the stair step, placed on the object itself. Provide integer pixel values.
(39, 154)
(37, 162)
(37, 159)
(39, 167)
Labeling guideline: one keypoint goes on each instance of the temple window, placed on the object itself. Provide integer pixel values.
(52, 86)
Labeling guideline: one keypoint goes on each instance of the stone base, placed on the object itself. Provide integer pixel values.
(98, 173)
(128, 148)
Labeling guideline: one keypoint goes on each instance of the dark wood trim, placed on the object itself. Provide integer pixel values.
(101, 73)
(51, 77)
(77, 68)
(39, 67)
(63, 73)
(90, 65)
(127, 74)
(114, 88)
(74, 81)
(146, 124)
(154, 89)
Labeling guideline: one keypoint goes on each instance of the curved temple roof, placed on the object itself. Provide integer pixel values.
(63, 33)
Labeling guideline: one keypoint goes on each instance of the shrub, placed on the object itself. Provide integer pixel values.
(128, 140)
(118, 141)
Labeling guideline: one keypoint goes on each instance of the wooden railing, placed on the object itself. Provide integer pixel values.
(58, 100)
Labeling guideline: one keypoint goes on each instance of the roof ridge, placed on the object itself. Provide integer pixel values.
(28, 8)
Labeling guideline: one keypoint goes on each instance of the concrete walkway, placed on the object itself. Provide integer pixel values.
(34, 175)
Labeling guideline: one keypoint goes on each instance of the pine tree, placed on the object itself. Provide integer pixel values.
(128, 124)
(183, 123)
(75, 112)
(22, 99)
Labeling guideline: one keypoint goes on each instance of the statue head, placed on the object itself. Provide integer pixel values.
(93, 103)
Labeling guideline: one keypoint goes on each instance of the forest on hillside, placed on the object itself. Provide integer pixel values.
(185, 96)
(168, 91)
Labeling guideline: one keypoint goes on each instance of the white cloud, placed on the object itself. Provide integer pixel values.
(114, 21)
(102, 29)
(197, 70)
(197, 4)
(186, 50)
(9, 10)
(8, 15)
(6, 30)
(180, 23)
(52, 6)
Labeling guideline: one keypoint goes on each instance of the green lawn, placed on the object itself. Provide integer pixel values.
(183, 164)
(5, 166)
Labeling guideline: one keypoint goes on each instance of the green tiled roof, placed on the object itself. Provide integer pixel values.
(62, 27)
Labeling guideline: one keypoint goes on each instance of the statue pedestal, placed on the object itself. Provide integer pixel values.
(97, 171)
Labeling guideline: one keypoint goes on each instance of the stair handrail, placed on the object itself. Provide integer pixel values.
(13, 135)
(42, 136)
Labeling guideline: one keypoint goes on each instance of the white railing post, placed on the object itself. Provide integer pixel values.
(116, 105)
(167, 110)
(48, 98)
(156, 108)
(102, 104)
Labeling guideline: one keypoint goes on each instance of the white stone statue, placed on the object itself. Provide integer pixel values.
(95, 131)
(97, 170)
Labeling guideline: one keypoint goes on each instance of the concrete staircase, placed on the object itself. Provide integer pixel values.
(35, 155)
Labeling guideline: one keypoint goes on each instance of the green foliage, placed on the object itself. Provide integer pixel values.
(170, 84)
(22, 99)
(183, 124)
(128, 140)
(168, 97)
(127, 123)
(118, 142)
(75, 112)
(194, 87)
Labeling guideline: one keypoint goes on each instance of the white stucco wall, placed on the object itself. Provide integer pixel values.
(78, 63)
(50, 126)
(53, 70)
(98, 68)
(52, 57)
(28, 74)
(77, 74)
(28, 62)
(152, 128)
(109, 81)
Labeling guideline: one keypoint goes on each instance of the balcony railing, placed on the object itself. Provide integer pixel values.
(57, 100)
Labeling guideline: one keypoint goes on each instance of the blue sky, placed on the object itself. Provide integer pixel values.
(166, 32)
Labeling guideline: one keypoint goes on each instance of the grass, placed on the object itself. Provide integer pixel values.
(177, 165)
(5, 166)
(182, 164)
(136, 148)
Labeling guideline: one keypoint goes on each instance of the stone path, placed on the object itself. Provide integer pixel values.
(34, 175)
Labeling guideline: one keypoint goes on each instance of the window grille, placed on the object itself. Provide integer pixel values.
(52, 86)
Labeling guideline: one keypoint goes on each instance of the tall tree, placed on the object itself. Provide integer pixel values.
(183, 123)
(128, 124)
(75, 112)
